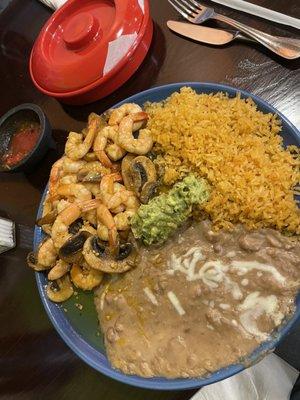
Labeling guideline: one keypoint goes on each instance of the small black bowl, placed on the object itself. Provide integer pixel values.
(9, 125)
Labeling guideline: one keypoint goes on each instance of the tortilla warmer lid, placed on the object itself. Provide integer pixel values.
(85, 43)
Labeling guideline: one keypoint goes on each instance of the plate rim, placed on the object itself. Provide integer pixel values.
(160, 383)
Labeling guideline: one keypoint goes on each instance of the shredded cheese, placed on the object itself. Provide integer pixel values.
(246, 266)
(148, 292)
(176, 303)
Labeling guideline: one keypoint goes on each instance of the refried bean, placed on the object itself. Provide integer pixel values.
(202, 301)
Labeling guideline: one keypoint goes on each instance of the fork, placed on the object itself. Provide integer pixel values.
(196, 13)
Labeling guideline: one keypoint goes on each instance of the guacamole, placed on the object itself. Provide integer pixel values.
(155, 221)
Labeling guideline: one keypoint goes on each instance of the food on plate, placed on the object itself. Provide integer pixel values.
(237, 148)
(91, 199)
(154, 222)
(21, 144)
(203, 300)
(181, 216)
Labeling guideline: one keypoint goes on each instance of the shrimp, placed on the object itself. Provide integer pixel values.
(68, 179)
(86, 227)
(92, 172)
(100, 143)
(94, 188)
(107, 186)
(77, 147)
(61, 205)
(104, 217)
(102, 232)
(60, 228)
(90, 157)
(122, 220)
(77, 190)
(84, 277)
(45, 256)
(72, 166)
(119, 113)
(59, 270)
(125, 197)
(55, 174)
(115, 152)
(143, 144)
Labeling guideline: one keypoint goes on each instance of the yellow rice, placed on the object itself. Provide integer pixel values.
(239, 151)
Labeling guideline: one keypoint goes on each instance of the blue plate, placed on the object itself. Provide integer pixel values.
(80, 332)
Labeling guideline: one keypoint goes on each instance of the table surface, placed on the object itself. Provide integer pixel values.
(34, 362)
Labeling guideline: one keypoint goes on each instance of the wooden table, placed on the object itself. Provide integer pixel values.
(34, 362)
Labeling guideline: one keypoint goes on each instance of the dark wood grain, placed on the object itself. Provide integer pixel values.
(34, 362)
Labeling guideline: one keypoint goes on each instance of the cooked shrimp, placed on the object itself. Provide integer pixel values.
(55, 174)
(47, 206)
(118, 209)
(72, 166)
(122, 220)
(68, 179)
(77, 146)
(89, 157)
(77, 190)
(143, 144)
(61, 205)
(84, 277)
(125, 197)
(119, 113)
(94, 166)
(87, 227)
(114, 151)
(65, 218)
(59, 270)
(104, 217)
(102, 232)
(100, 143)
(94, 188)
(92, 172)
(107, 186)
(45, 256)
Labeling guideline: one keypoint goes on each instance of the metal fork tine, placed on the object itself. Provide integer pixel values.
(191, 7)
(183, 7)
(195, 4)
(185, 15)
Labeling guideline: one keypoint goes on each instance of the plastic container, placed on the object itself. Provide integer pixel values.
(9, 125)
(89, 48)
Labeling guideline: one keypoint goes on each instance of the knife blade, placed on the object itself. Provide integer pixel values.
(202, 33)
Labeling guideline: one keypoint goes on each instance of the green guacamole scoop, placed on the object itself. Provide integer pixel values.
(154, 222)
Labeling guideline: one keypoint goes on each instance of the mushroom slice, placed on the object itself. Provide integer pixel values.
(71, 250)
(59, 270)
(143, 170)
(89, 176)
(98, 256)
(85, 277)
(127, 171)
(75, 226)
(124, 250)
(60, 290)
(49, 218)
(148, 191)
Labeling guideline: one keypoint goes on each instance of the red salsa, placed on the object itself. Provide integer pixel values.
(22, 142)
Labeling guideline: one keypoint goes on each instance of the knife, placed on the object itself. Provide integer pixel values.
(204, 34)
